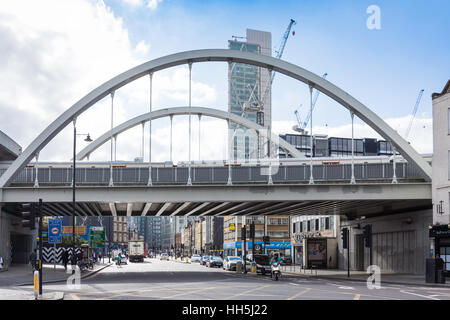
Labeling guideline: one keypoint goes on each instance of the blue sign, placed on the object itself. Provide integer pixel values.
(54, 230)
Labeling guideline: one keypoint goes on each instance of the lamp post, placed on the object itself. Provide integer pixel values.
(88, 139)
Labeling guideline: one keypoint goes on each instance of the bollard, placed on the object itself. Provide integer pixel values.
(36, 284)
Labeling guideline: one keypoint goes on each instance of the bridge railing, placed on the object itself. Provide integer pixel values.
(218, 175)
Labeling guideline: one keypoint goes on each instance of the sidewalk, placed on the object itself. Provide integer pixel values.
(390, 278)
(20, 275)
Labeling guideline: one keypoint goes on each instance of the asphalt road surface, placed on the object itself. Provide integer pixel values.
(155, 279)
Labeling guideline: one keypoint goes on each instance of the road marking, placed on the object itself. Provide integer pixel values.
(294, 284)
(299, 294)
(347, 288)
(357, 296)
(74, 296)
(248, 291)
(419, 295)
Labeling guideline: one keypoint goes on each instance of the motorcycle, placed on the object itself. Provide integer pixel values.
(276, 272)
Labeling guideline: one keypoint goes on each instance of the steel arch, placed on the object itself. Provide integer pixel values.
(271, 63)
(210, 112)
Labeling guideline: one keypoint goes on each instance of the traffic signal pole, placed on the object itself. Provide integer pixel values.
(348, 253)
(40, 245)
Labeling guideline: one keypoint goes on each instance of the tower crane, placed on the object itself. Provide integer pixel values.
(416, 106)
(279, 53)
(301, 126)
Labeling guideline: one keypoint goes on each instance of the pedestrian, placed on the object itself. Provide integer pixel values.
(1, 263)
(100, 256)
(65, 258)
(33, 260)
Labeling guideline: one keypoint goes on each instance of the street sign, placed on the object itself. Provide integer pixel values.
(54, 230)
(96, 237)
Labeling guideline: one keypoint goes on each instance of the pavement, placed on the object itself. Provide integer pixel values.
(389, 278)
(21, 275)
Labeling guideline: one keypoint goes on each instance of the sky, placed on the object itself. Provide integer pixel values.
(54, 52)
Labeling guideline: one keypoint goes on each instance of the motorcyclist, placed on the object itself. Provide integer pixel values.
(275, 259)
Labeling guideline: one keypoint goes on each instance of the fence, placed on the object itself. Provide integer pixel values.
(219, 175)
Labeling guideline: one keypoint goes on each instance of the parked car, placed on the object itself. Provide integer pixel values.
(262, 264)
(229, 263)
(164, 256)
(214, 262)
(203, 260)
(196, 258)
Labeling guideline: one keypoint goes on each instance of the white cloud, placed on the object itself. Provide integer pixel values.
(153, 4)
(142, 48)
(134, 3)
(54, 53)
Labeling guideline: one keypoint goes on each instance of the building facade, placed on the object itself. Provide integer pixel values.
(249, 96)
(275, 227)
(440, 232)
(314, 241)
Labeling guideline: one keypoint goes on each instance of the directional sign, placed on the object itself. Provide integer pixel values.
(96, 237)
(54, 230)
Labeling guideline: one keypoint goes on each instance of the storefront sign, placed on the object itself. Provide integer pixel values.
(441, 231)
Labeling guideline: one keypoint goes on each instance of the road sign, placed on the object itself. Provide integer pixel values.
(96, 237)
(54, 230)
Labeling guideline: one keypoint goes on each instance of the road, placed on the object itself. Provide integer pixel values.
(155, 279)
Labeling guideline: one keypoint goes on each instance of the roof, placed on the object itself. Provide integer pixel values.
(444, 91)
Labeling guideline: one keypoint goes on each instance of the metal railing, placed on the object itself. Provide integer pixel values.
(218, 175)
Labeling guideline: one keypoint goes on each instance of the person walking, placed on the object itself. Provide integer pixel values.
(100, 254)
(65, 258)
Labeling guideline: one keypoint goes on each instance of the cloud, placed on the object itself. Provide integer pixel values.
(55, 52)
(134, 3)
(153, 4)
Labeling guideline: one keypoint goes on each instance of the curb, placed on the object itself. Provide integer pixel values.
(62, 280)
(363, 280)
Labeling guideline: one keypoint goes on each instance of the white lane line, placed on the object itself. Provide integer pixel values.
(419, 295)
(294, 284)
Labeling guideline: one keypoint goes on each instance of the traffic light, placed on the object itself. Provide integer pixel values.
(367, 234)
(244, 233)
(28, 213)
(344, 237)
(252, 230)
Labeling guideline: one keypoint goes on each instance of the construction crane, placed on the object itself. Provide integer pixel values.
(258, 103)
(416, 106)
(283, 43)
(301, 126)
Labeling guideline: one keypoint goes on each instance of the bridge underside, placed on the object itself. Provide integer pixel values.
(321, 199)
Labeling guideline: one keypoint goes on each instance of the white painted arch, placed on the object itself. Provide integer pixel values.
(271, 63)
(210, 112)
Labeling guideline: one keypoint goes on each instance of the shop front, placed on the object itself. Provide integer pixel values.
(315, 249)
(235, 248)
(441, 235)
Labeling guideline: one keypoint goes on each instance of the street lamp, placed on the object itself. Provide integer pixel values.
(88, 139)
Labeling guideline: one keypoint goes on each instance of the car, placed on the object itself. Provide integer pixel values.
(164, 256)
(230, 262)
(203, 260)
(214, 262)
(262, 264)
(196, 258)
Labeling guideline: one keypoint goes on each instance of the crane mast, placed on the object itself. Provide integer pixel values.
(416, 106)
